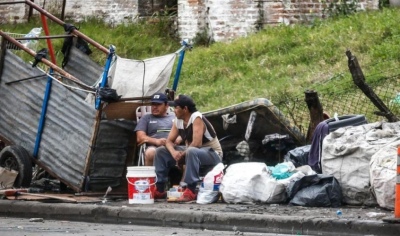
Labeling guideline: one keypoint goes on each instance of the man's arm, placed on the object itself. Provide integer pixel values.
(198, 132)
(170, 143)
(142, 137)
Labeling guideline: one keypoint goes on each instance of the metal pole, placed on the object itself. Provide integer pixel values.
(103, 82)
(46, 62)
(29, 78)
(179, 67)
(63, 10)
(47, 33)
(43, 115)
(44, 37)
(60, 22)
(30, 12)
(15, 2)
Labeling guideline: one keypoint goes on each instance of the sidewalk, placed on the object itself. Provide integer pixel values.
(268, 218)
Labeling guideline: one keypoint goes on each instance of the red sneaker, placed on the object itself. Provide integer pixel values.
(187, 196)
(159, 195)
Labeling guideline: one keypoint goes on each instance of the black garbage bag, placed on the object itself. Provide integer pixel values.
(317, 190)
(108, 94)
(299, 155)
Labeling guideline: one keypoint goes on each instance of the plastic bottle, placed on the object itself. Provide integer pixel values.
(35, 32)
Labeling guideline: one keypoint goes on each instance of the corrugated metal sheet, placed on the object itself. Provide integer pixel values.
(114, 144)
(69, 120)
(82, 67)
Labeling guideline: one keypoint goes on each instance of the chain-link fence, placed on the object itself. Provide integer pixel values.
(386, 85)
(32, 44)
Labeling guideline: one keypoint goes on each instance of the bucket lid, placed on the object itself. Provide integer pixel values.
(141, 168)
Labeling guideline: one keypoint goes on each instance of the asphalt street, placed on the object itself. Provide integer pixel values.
(263, 218)
(43, 227)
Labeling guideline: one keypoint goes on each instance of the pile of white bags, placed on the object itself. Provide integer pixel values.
(362, 159)
(251, 182)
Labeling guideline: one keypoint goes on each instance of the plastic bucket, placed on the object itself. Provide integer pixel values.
(141, 184)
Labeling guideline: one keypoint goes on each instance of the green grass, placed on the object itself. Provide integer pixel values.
(275, 63)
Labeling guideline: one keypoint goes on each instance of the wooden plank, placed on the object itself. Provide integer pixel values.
(48, 196)
(51, 196)
(123, 110)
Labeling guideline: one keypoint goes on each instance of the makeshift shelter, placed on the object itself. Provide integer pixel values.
(50, 121)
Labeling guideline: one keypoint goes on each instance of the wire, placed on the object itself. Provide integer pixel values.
(66, 85)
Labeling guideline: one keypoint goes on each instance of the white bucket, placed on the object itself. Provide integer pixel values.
(141, 184)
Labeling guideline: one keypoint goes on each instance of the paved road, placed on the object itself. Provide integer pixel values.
(40, 227)
(265, 219)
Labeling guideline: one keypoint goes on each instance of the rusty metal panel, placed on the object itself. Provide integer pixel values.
(82, 67)
(68, 127)
(67, 135)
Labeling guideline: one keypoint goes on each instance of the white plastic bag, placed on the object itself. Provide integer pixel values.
(250, 182)
(209, 189)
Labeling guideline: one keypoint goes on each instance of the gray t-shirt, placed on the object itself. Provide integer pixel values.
(155, 127)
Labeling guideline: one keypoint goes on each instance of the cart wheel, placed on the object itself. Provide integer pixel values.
(18, 159)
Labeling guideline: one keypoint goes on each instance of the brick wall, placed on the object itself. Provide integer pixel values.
(223, 20)
(228, 19)
(151, 7)
(112, 11)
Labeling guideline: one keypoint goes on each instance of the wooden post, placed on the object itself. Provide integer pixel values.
(359, 80)
(316, 112)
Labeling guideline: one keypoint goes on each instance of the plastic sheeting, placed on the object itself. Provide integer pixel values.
(138, 78)
(347, 153)
(383, 174)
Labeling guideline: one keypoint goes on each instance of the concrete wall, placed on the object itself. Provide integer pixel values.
(222, 20)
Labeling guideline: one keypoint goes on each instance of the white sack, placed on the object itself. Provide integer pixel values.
(346, 154)
(250, 182)
(383, 174)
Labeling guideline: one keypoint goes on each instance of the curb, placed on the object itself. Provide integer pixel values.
(197, 219)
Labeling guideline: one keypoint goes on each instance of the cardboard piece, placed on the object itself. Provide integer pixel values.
(7, 178)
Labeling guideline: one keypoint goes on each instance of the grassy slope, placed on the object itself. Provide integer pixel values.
(274, 63)
(288, 60)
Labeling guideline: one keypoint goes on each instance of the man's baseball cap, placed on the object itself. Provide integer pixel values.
(182, 101)
(159, 98)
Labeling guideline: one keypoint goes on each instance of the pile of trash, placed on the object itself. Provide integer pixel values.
(255, 182)
(358, 167)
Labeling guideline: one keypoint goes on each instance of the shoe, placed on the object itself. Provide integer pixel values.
(159, 195)
(187, 196)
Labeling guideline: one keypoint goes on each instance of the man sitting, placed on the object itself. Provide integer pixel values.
(153, 129)
(202, 148)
